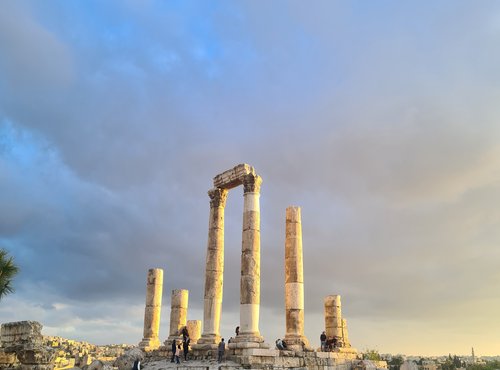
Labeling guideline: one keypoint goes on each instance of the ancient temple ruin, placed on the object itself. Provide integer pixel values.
(248, 348)
(249, 336)
(21, 342)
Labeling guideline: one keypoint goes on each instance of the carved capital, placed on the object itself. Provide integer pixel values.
(251, 183)
(218, 197)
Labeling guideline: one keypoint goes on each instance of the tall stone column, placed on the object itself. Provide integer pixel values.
(294, 281)
(154, 290)
(333, 316)
(178, 312)
(250, 261)
(214, 268)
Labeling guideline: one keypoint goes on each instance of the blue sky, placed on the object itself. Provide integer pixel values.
(380, 119)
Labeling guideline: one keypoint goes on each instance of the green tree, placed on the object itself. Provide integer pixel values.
(371, 354)
(490, 365)
(8, 270)
(395, 363)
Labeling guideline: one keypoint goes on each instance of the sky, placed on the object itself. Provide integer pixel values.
(381, 119)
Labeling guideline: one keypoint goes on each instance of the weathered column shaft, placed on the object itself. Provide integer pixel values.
(294, 277)
(345, 335)
(152, 314)
(250, 258)
(178, 312)
(194, 330)
(333, 316)
(214, 269)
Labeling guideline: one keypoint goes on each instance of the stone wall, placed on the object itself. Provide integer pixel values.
(24, 340)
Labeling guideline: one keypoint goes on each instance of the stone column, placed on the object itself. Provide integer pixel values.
(345, 336)
(194, 330)
(294, 281)
(154, 289)
(250, 261)
(333, 316)
(178, 312)
(214, 268)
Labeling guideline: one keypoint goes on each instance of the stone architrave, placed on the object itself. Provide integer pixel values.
(152, 313)
(178, 312)
(333, 316)
(294, 281)
(194, 330)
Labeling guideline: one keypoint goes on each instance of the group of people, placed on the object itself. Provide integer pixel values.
(328, 344)
(179, 348)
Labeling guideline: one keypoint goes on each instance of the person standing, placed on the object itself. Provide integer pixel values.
(178, 354)
(185, 347)
(137, 365)
(174, 349)
(220, 350)
(322, 338)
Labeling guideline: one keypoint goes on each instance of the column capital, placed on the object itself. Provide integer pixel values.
(251, 183)
(218, 197)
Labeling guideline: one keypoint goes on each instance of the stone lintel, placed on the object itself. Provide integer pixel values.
(234, 177)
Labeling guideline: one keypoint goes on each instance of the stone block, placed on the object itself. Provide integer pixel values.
(294, 272)
(251, 220)
(250, 263)
(250, 240)
(7, 359)
(16, 335)
(262, 352)
(35, 354)
(194, 330)
(250, 289)
(233, 177)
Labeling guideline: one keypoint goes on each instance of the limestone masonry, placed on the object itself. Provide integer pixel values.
(154, 290)
(294, 281)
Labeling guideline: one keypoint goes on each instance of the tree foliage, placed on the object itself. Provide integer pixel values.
(490, 365)
(395, 362)
(452, 363)
(8, 270)
(371, 354)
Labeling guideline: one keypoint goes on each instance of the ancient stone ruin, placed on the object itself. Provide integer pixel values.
(248, 349)
(24, 340)
(22, 346)
(152, 313)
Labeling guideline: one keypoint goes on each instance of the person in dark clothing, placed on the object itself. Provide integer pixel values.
(185, 333)
(322, 338)
(220, 350)
(237, 330)
(137, 365)
(174, 347)
(178, 354)
(185, 347)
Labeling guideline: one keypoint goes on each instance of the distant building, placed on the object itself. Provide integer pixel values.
(409, 365)
(429, 365)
